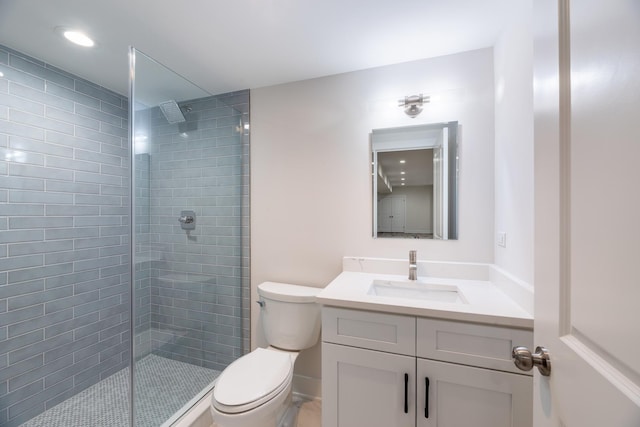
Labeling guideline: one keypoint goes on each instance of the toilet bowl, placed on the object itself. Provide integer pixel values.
(255, 390)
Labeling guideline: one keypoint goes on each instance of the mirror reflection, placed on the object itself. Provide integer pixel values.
(415, 181)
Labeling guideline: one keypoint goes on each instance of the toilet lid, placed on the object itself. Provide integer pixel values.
(252, 380)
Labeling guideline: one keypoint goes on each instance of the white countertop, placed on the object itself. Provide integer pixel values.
(485, 302)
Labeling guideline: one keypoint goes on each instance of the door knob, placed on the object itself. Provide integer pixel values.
(525, 361)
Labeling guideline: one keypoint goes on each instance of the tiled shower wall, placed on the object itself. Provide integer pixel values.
(64, 293)
(198, 280)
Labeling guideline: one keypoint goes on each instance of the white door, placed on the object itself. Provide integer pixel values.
(587, 211)
(367, 388)
(392, 214)
(398, 214)
(385, 213)
(451, 395)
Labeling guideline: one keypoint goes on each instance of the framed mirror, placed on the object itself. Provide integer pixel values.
(415, 181)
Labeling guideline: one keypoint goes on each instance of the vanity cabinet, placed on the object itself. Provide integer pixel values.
(384, 370)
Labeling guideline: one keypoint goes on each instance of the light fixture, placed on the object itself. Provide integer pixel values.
(75, 36)
(402, 172)
(403, 161)
(413, 104)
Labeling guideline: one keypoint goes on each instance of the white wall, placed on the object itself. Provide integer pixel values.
(513, 64)
(311, 189)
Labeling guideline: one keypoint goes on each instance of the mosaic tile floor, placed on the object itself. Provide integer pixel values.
(163, 386)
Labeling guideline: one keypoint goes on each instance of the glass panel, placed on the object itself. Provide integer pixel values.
(190, 187)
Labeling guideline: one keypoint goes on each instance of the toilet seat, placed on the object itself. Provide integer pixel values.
(252, 380)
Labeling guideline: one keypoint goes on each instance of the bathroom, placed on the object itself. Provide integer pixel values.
(304, 216)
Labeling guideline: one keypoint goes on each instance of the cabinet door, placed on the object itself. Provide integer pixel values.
(461, 395)
(367, 388)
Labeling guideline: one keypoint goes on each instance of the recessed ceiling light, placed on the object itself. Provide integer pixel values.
(401, 179)
(403, 161)
(75, 36)
(78, 38)
(402, 173)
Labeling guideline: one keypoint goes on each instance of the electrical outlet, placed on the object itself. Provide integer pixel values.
(502, 239)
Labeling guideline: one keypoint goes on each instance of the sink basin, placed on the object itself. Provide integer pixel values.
(417, 290)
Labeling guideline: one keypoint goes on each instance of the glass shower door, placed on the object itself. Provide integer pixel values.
(189, 173)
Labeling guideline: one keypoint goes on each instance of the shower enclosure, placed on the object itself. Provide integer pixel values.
(109, 318)
(190, 243)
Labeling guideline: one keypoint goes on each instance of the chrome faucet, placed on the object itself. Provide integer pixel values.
(413, 265)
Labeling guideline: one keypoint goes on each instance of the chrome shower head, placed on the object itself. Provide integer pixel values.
(172, 112)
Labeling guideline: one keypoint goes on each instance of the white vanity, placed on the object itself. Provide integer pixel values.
(436, 352)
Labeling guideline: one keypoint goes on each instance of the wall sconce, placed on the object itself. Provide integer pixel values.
(413, 104)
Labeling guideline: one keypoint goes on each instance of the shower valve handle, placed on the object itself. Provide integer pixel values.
(186, 219)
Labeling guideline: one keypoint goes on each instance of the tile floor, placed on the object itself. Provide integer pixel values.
(163, 387)
(310, 413)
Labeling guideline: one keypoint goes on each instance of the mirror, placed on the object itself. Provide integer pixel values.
(415, 181)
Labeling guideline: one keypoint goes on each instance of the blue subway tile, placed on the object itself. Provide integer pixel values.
(15, 289)
(39, 272)
(26, 144)
(14, 263)
(71, 233)
(16, 249)
(93, 113)
(40, 122)
(41, 372)
(15, 343)
(36, 95)
(21, 236)
(40, 222)
(22, 130)
(76, 165)
(72, 187)
(72, 141)
(97, 92)
(39, 70)
(39, 322)
(21, 104)
(76, 255)
(98, 158)
(72, 95)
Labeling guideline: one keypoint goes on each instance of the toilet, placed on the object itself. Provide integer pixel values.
(255, 390)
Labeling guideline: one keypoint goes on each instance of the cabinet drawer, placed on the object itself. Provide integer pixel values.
(376, 331)
(470, 344)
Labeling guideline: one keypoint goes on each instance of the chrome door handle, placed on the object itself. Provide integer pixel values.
(525, 361)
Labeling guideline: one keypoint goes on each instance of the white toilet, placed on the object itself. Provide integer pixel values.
(255, 390)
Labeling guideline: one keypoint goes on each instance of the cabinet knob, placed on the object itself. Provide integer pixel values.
(525, 360)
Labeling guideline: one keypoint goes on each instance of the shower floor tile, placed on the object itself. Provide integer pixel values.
(163, 386)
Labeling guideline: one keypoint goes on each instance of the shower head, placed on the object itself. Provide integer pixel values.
(172, 112)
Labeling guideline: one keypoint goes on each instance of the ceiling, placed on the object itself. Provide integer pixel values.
(408, 168)
(230, 45)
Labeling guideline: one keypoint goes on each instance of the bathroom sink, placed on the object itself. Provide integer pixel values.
(416, 290)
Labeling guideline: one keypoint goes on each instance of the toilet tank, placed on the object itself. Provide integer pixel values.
(290, 315)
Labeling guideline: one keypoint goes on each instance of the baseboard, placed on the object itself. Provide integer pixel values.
(307, 387)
